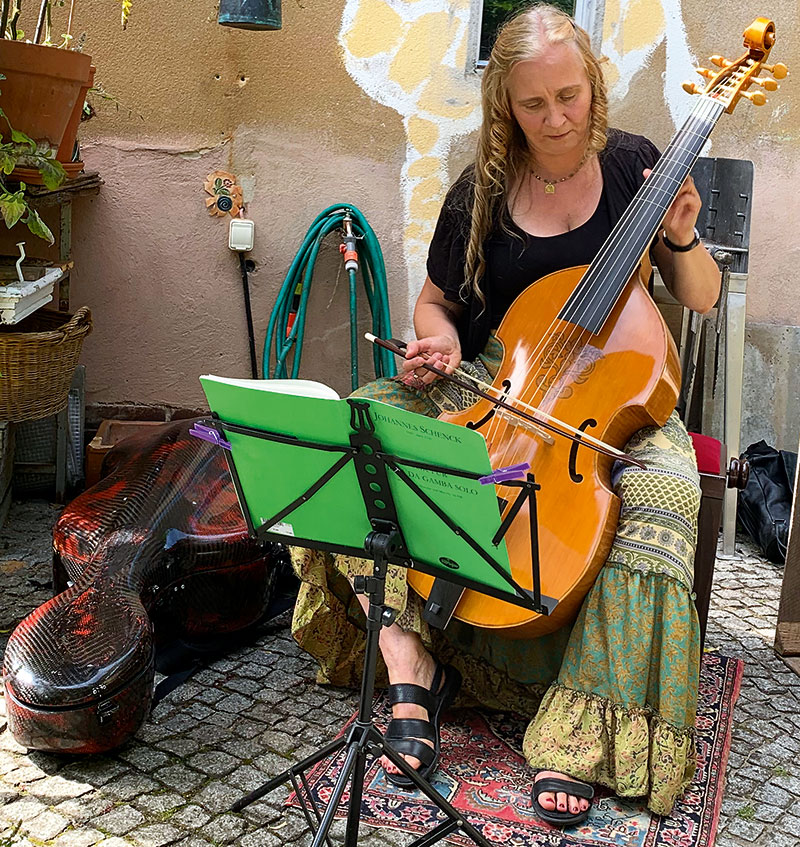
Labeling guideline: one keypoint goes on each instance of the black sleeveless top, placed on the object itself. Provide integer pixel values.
(514, 258)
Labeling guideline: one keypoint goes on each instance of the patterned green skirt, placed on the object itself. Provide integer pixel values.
(612, 697)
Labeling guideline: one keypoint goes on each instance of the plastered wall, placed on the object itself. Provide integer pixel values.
(363, 101)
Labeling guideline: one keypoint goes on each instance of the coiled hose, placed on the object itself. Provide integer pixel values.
(288, 318)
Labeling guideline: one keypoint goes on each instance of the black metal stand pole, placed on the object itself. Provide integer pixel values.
(363, 738)
(384, 544)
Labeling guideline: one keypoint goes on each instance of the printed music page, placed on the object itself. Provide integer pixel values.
(274, 475)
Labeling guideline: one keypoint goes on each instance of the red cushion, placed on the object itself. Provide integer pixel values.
(707, 450)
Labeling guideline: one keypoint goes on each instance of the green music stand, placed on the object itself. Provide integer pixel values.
(349, 476)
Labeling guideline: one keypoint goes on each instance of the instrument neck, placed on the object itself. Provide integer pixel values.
(595, 295)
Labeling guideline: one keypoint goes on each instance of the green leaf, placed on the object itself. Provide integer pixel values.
(38, 227)
(52, 171)
(20, 138)
(12, 207)
(8, 160)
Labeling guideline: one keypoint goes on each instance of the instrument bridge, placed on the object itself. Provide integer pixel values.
(515, 420)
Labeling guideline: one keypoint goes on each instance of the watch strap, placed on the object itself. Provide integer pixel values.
(680, 248)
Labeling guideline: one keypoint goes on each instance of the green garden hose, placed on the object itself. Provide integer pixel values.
(288, 318)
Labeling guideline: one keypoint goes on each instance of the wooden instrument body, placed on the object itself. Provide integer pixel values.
(615, 381)
(611, 385)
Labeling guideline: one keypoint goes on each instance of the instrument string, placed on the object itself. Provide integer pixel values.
(657, 181)
(551, 383)
(589, 300)
(706, 115)
(661, 180)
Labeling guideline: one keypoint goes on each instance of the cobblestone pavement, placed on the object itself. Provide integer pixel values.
(247, 717)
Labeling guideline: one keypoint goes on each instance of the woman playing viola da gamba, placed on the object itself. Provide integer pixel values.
(611, 697)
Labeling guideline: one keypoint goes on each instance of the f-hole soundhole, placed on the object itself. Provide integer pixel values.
(490, 414)
(573, 453)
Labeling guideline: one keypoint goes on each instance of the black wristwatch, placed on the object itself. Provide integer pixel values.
(680, 248)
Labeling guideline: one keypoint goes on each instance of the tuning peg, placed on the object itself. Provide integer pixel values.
(757, 98)
(720, 62)
(767, 83)
(693, 88)
(705, 72)
(779, 71)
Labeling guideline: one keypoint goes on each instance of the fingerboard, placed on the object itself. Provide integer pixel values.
(594, 297)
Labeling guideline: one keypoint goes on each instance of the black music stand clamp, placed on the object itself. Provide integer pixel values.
(384, 545)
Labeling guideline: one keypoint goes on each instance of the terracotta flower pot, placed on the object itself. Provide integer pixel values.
(67, 145)
(43, 92)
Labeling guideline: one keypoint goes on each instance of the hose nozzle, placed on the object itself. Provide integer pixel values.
(348, 245)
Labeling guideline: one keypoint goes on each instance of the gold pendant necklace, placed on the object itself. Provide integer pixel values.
(550, 184)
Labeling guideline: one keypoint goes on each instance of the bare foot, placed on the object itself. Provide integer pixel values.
(561, 802)
(418, 669)
(407, 661)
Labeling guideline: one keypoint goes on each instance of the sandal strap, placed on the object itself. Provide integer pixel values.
(410, 728)
(414, 747)
(409, 692)
(555, 785)
(438, 679)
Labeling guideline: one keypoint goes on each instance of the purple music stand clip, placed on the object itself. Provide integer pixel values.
(208, 433)
(503, 474)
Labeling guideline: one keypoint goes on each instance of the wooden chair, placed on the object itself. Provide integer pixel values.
(716, 475)
(725, 187)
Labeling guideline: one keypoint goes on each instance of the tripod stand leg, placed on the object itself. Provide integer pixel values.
(353, 753)
(443, 830)
(455, 819)
(356, 793)
(286, 775)
(310, 807)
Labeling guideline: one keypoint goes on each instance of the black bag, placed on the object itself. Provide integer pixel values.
(765, 504)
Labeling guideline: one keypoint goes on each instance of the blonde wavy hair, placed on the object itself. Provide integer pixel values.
(502, 151)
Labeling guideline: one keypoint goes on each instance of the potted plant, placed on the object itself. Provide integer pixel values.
(42, 94)
(46, 79)
(19, 149)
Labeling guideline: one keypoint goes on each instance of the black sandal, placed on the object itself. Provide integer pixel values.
(404, 734)
(554, 785)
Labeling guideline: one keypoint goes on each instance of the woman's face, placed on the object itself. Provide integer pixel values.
(551, 98)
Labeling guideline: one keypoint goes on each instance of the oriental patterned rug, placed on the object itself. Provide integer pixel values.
(483, 774)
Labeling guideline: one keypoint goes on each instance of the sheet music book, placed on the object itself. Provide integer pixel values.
(273, 475)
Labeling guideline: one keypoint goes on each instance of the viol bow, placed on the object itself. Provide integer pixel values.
(522, 411)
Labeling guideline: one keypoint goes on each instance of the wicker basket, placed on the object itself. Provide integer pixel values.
(37, 360)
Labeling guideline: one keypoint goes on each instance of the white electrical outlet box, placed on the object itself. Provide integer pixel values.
(240, 234)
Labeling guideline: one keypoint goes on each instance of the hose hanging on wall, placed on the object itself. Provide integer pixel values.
(288, 318)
